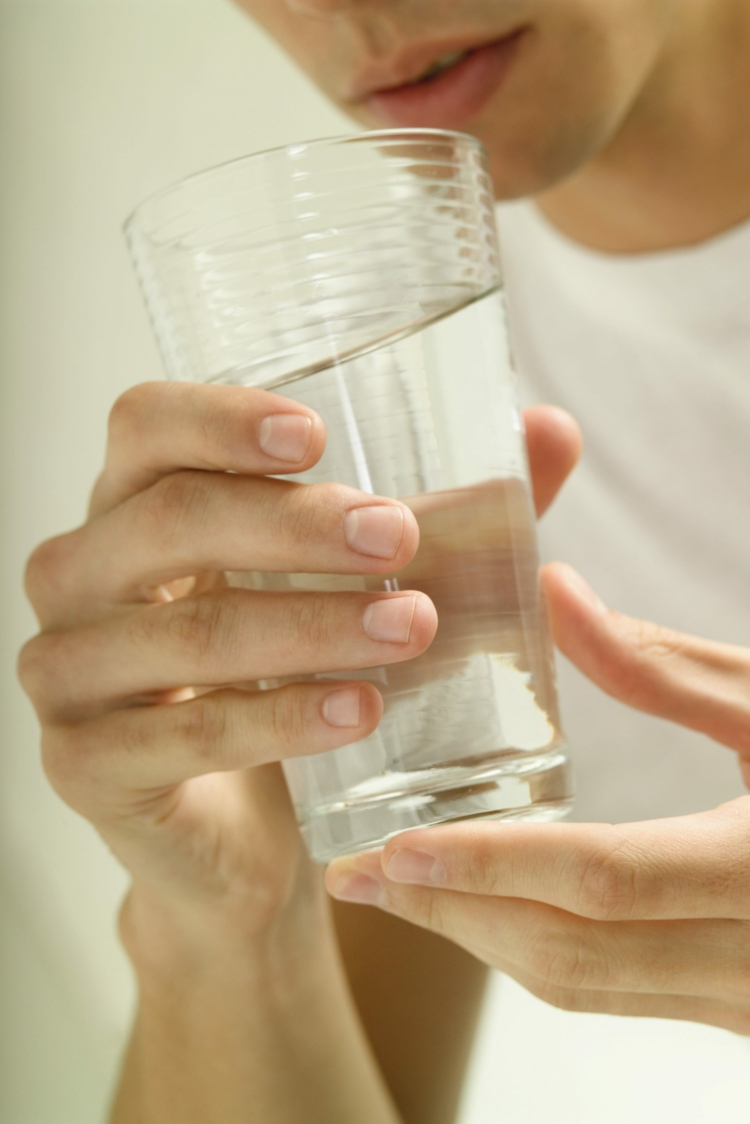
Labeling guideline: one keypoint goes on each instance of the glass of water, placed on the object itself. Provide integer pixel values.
(361, 276)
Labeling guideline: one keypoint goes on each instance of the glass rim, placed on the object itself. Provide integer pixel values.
(364, 136)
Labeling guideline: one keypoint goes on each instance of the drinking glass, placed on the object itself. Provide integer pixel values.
(361, 276)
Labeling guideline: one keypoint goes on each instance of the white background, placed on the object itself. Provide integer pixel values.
(103, 101)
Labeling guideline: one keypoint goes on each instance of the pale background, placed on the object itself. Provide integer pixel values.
(103, 101)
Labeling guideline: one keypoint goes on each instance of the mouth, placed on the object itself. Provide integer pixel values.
(439, 66)
(430, 88)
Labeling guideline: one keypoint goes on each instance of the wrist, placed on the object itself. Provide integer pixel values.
(242, 1027)
(172, 940)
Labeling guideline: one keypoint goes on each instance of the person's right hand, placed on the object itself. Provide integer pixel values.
(143, 672)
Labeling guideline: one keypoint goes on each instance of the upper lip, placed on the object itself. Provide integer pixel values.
(410, 63)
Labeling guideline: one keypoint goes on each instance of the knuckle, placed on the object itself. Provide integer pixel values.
(336, 498)
(610, 883)
(30, 666)
(299, 516)
(423, 907)
(563, 958)
(288, 728)
(309, 511)
(175, 504)
(313, 625)
(46, 567)
(652, 649)
(132, 408)
(653, 641)
(484, 871)
(204, 728)
(433, 911)
(39, 666)
(196, 627)
(202, 626)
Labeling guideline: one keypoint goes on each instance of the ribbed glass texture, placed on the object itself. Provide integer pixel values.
(288, 260)
(361, 276)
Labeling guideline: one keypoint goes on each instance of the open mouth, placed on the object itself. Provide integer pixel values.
(440, 66)
(451, 90)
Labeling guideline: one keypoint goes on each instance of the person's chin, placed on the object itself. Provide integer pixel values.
(518, 174)
(533, 153)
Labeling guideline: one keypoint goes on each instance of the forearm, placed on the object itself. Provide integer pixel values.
(419, 997)
(249, 1032)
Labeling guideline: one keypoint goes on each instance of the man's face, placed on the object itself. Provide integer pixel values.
(545, 84)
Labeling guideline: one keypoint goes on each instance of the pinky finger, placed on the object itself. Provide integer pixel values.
(687, 1008)
(111, 764)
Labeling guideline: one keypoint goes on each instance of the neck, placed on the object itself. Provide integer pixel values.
(678, 170)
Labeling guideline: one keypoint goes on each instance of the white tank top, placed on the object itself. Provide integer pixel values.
(651, 354)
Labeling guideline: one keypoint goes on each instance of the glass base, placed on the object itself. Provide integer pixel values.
(535, 787)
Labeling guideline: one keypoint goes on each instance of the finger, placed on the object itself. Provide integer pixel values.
(703, 958)
(225, 637)
(194, 522)
(730, 1014)
(687, 1008)
(554, 445)
(111, 761)
(160, 427)
(697, 683)
(687, 867)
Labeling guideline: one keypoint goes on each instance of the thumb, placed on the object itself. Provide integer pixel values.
(696, 683)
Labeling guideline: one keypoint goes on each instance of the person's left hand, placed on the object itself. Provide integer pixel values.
(648, 919)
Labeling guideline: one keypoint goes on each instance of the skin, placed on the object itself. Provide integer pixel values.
(227, 922)
(255, 1001)
(649, 919)
(646, 149)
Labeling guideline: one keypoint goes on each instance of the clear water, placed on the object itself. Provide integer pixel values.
(471, 726)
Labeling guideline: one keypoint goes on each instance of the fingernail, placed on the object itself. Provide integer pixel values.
(390, 619)
(416, 867)
(375, 531)
(341, 708)
(583, 588)
(285, 437)
(359, 888)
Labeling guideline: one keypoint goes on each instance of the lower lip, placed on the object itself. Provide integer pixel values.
(454, 98)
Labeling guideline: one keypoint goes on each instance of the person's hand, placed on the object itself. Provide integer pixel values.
(143, 672)
(649, 919)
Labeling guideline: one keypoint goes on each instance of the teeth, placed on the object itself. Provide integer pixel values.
(440, 65)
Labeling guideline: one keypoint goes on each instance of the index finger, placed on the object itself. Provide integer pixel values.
(158, 428)
(687, 867)
(699, 683)
(553, 444)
